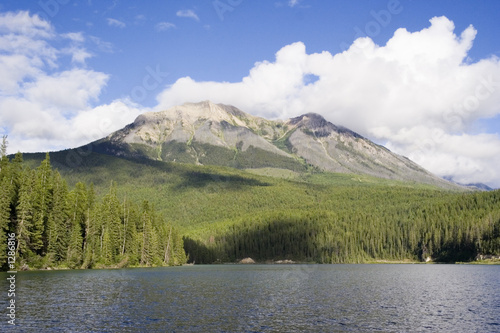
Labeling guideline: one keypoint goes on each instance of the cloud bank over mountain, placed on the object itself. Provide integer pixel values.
(419, 94)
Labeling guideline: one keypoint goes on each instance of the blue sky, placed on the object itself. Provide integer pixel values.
(86, 68)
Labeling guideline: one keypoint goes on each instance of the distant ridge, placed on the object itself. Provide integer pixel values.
(473, 186)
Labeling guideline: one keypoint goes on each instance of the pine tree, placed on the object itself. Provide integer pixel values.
(129, 247)
(25, 213)
(16, 171)
(110, 214)
(42, 202)
(179, 255)
(149, 239)
(93, 233)
(132, 242)
(58, 221)
(90, 229)
(106, 248)
(168, 243)
(78, 211)
(75, 253)
(5, 203)
(3, 147)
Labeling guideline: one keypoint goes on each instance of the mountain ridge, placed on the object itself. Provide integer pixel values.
(205, 133)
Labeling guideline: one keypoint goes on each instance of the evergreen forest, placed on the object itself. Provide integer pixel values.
(62, 228)
(99, 211)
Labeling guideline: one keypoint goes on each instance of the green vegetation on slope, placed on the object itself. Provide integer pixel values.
(448, 230)
(226, 214)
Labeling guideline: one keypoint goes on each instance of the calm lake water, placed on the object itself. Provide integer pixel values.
(259, 298)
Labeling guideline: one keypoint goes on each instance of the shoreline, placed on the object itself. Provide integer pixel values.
(282, 262)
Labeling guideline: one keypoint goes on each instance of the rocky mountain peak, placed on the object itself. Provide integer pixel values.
(190, 113)
(310, 120)
(319, 126)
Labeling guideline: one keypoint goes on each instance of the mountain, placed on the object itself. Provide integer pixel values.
(472, 186)
(478, 186)
(216, 134)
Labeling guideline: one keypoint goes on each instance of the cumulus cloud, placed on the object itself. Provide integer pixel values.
(25, 24)
(68, 90)
(418, 94)
(78, 54)
(33, 128)
(189, 13)
(74, 36)
(43, 106)
(76, 49)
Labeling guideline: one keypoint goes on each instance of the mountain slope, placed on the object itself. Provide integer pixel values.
(338, 149)
(215, 134)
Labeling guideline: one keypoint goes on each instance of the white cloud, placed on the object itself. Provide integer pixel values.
(115, 23)
(38, 50)
(74, 36)
(418, 94)
(36, 129)
(25, 24)
(162, 26)
(95, 123)
(467, 158)
(13, 69)
(69, 90)
(46, 107)
(103, 46)
(24, 49)
(293, 3)
(189, 13)
(78, 54)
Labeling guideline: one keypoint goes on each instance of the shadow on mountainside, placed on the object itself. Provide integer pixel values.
(199, 179)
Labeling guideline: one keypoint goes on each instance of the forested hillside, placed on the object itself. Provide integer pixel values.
(371, 225)
(58, 227)
(223, 214)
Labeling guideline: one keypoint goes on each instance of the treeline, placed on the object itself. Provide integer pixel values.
(58, 227)
(456, 228)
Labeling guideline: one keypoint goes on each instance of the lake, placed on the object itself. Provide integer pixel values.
(259, 298)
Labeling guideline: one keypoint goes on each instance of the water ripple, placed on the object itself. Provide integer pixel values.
(260, 298)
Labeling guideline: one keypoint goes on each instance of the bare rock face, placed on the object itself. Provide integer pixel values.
(208, 133)
(338, 149)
